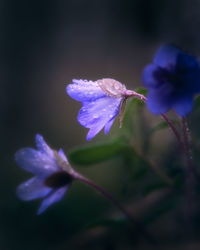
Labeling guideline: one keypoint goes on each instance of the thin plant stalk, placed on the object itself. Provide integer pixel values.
(190, 178)
(136, 225)
(171, 125)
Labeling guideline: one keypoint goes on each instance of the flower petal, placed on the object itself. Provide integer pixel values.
(32, 189)
(149, 78)
(166, 56)
(36, 162)
(95, 130)
(52, 198)
(159, 100)
(95, 115)
(108, 126)
(186, 62)
(183, 105)
(83, 90)
(42, 146)
(190, 81)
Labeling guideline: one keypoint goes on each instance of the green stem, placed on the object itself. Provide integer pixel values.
(136, 225)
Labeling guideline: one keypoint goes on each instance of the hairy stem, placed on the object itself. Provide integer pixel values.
(171, 125)
(136, 225)
(173, 128)
(190, 177)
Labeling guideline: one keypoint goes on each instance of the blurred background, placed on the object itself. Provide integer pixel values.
(44, 45)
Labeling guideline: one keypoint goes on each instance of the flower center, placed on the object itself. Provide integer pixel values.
(165, 76)
(58, 179)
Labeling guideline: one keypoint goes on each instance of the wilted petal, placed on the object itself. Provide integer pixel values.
(112, 87)
(52, 198)
(36, 162)
(32, 189)
(83, 90)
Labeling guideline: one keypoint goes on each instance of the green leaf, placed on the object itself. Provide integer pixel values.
(141, 91)
(87, 155)
(197, 102)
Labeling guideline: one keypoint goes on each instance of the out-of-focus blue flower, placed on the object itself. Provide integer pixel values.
(172, 79)
(52, 174)
(101, 102)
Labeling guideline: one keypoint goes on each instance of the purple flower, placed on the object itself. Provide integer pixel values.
(172, 79)
(52, 174)
(101, 100)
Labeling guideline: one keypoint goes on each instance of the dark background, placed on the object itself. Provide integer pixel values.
(45, 44)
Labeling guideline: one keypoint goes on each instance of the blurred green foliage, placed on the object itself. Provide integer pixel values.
(154, 192)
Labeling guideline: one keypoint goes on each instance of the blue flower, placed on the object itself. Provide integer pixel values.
(172, 79)
(101, 100)
(52, 174)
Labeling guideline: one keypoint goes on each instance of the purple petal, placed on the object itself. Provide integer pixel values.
(52, 198)
(42, 146)
(148, 78)
(95, 115)
(84, 91)
(159, 101)
(32, 189)
(191, 81)
(166, 56)
(108, 126)
(94, 130)
(186, 62)
(183, 105)
(36, 162)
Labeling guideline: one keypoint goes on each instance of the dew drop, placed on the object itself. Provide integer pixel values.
(116, 86)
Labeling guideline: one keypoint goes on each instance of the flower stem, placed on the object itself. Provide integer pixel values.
(134, 222)
(173, 128)
(171, 125)
(190, 177)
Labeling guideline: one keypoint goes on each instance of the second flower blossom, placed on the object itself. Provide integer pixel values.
(101, 100)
